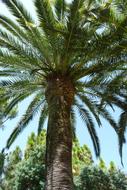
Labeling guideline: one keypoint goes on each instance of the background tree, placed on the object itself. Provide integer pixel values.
(28, 172)
(9, 166)
(69, 58)
(81, 157)
(112, 167)
(102, 164)
(2, 158)
(95, 178)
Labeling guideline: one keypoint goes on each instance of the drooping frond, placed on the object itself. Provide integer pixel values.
(121, 131)
(91, 128)
(73, 122)
(14, 102)
(91, 106)
(33, 109)
(43, 116)
(106, 115)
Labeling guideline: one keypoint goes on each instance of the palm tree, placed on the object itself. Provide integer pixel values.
(67, 58)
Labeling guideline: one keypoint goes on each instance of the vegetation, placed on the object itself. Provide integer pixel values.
(71, 57)
(28, 172)
(95, 178)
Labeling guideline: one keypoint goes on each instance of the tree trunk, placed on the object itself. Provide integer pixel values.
(59, 96)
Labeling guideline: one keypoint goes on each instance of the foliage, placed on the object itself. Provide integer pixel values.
(102, 164)
(119, 180)
(95, 178)
(28, 172)
(81, 44)
(35, 141)
(2, 158)
(10, 165)
(81, 156)
(11, 115)
(82, 40)
(112, 167)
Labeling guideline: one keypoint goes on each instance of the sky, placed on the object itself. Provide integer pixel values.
(107, 136)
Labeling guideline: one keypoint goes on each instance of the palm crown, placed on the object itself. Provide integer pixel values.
(78, 41)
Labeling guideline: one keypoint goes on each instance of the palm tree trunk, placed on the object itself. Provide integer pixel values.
(59, 138)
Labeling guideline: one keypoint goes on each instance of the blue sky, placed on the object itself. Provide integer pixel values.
(108, 138)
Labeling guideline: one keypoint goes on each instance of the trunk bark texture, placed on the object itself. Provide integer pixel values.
(59, 95)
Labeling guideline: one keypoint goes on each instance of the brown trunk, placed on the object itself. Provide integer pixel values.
(59, 135)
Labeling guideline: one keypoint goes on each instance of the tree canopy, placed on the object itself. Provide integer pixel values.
(72, 57)
(84, 41)
(28, 172)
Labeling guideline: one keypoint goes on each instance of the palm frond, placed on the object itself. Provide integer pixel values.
(45, 14)
(11, 26)
(106, 115)
(14, 82)
(118, 101)
(31, 111)
(43, 116)
(85, 115)
(73, 24)
(121, 132)
(60, 8)
(14, 102)
(17, 46)
(91, 106)
(73, 122)
(19, 11)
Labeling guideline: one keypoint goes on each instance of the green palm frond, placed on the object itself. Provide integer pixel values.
(17, 62)
(9, 73)
(14, 82)
(114, 84)
(11, 26)
(73, 122)
(73, 23)
(40, 42)
(45, 14)
(91, 106)
(60, 9)
(121, 131)
(116, 100)
(19, 11)
(86, 117)
(31, 111)
(33, 36)
(43, 116)
(17, 46)
(16, 100)
(106, 115)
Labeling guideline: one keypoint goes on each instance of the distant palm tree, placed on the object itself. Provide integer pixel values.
(68, 58)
